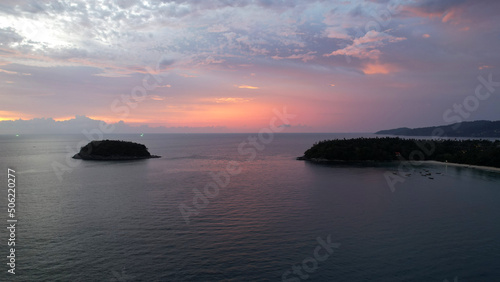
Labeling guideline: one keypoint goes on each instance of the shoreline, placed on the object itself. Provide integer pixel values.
(487, 168)
(318, 160)
(79, 156)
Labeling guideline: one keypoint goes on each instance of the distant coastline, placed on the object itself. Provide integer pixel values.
(477, 129)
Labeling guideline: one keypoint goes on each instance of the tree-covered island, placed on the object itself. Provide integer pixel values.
(471, 152)
(110, 150)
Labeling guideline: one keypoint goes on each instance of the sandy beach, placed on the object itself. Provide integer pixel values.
(488, 168)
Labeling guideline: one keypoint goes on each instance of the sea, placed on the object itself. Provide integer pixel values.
(240, 207)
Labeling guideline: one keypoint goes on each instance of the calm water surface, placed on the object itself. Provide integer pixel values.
(120, 221)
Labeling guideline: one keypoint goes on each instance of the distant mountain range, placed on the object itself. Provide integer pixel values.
(480, 128)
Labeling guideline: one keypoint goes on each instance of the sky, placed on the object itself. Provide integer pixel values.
(228, 66)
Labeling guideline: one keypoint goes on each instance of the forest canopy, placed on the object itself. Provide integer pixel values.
(472, 152)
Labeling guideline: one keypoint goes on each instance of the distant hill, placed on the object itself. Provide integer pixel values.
(480, 128)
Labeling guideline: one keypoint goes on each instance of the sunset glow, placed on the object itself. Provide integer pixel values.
(378, 69)
(6, 115)
(247, 87)
(224, 64)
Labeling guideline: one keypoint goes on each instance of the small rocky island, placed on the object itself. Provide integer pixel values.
(113, 150)
(470, 152)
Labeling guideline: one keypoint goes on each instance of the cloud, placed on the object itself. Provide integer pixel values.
(431, 7)
(367, 46)
(156, 98)
(452, 15)
(8, 72)
(85, 55)
(81, 124)
(212, 60)
(447, 10)
(14, 72)
(9, 115)
(338, 33)
(81, 33)
(377, 68)
(232, 100)
(187, 75)
(218, 28)
(303, 57)
(247, 87)
(9, 36)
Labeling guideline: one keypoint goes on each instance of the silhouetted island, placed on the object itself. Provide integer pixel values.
(113, 150)
(480, 128)
(471, 152)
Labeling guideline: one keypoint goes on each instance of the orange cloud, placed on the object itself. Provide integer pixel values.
(453, 15)
(247, 87)
(485, 67)
(377, 68)
(157, 98)
(232, 100)
(114, 119)
(63, 118)
(9, 115)
(448, 16)
(426, 35)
